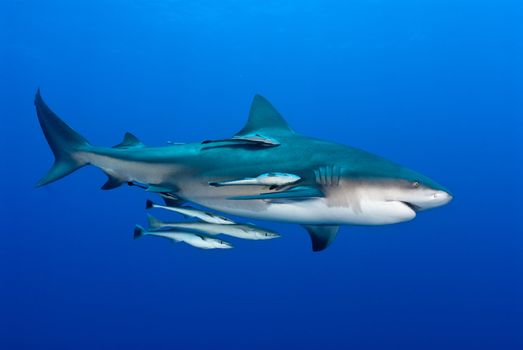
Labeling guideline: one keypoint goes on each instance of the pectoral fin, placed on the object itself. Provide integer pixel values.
(298, 192)
(321, 235)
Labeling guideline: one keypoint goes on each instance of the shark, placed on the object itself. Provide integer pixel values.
(315, 183)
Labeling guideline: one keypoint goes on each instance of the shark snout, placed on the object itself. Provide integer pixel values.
(436, 199)
(442, 197)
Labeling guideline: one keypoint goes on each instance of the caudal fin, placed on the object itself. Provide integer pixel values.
(154, 223)
(63, 141)
(149, 204)
(139, 231)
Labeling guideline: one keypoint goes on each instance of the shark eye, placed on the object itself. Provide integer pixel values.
(416, 184)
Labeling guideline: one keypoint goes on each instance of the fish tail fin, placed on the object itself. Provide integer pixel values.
(149, 204)
(139, 231)
(63, 141)
(154, 222)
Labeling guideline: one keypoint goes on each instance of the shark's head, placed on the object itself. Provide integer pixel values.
(385, 192)
(414, 190)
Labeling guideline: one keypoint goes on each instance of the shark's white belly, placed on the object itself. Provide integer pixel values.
(317, 211)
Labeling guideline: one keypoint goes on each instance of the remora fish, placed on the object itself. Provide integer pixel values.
(269, 179)
(192, 212)
(243, 231)
(260, 140)
(339, 185)
(191, 238)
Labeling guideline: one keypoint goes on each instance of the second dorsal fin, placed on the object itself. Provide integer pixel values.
(129, 140)
(265, 118)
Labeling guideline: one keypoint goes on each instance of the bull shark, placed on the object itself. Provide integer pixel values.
(334, 184)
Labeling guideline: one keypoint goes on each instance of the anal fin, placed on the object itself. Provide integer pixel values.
(321, 235)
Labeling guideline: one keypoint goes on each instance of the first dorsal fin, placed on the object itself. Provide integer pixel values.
(264, 117)
(129, 140)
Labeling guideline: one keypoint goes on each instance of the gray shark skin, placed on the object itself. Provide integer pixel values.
(338, 184)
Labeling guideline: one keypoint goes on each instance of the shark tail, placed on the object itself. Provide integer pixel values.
(139, 231)
(63, 141)
(154, 223)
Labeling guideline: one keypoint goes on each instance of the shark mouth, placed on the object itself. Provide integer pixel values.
(412, 206)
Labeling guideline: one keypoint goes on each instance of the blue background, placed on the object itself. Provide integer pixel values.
(434, 85)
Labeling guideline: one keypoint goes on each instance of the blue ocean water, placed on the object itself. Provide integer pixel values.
(434, 85)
